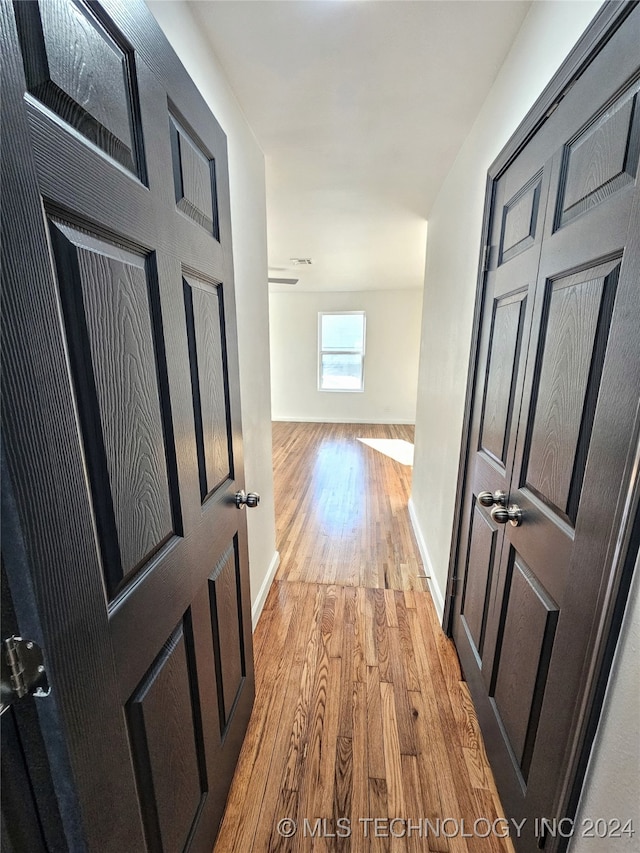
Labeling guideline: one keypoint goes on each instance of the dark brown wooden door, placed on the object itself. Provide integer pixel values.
(554, 427)
(121, 417)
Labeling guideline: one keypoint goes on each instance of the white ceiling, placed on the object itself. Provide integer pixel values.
(360, 107)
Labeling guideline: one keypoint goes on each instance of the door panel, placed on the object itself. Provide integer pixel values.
(520, 218)
(527, 615)
(165, 729)
(525, 640)
(602, 159)
(226, 621)
(483, 541)
(122, 373)
(571, 347)
(118, 366)
(205, 332)
(194, 177)
(63, 47)
(506, 337)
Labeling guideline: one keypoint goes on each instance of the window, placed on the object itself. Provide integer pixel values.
(341, 351)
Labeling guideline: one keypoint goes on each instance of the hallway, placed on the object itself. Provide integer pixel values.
(360, 710)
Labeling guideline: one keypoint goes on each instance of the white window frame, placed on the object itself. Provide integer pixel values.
(322, 351)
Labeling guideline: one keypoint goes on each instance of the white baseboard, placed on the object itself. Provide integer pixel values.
(295, 420)
(434, 587)
(261, 597)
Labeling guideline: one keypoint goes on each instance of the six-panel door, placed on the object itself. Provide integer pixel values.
(553, 426)
(122, 417)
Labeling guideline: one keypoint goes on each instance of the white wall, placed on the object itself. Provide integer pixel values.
(612, 788)
(248, 224)
(391, 357)
(548, 33)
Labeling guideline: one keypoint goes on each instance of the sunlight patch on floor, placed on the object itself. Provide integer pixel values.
(396, 448)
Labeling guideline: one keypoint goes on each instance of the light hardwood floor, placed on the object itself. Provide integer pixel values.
(341, 507)
(360, 711)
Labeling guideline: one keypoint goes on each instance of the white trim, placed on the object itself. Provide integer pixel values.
(261, 597)
(434, 588)
(390, 421)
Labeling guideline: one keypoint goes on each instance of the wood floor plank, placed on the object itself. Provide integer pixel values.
(392, 754)
(345, 717)
(409, 599)
(360, 778)
(378, 806)
(360, 710)
(324, 795)
(466, 715)
(371, 650)
(360, 638)
(305, 619)
(327, 620)
(343, 778)
(399, 679)
(287, 806)
(334, 642)
(310, 767)
(475, 768)
(486, 808)
(377, 768)
(382, 637)
(414, 827)
(406, 643)
(391, 613)
(298, 741)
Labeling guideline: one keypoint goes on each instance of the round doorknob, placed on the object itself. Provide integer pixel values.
(492, 498)
(511, 514)
(250, 500)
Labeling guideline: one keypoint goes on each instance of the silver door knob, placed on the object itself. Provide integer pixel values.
(498, 498)
(250, 500)
(511, 514)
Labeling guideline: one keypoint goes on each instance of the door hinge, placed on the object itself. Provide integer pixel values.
(452, 587)
(486, 258)
(22, 671)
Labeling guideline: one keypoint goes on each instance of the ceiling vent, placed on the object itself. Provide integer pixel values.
(301, 262)
(283, 280)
